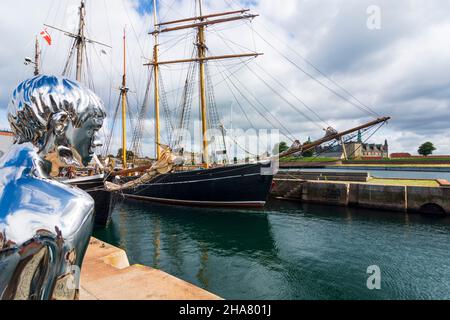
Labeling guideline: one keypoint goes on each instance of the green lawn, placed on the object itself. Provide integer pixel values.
(393, 165)
(398, 182)
(410, 160)
(313, 159)
(383, 162)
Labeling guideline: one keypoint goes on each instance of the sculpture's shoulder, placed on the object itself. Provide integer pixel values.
(31, 201)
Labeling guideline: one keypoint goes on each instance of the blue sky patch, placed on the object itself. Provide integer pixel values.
(145, 6)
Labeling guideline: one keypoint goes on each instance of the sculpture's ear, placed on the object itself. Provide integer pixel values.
(59, 123)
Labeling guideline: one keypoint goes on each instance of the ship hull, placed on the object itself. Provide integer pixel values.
(231, 186)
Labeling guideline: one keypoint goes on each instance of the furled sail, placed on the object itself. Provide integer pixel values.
(164, 165)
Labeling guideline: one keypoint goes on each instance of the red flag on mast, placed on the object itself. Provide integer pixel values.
(46, 36)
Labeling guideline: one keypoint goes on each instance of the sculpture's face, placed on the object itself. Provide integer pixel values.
(84, 139)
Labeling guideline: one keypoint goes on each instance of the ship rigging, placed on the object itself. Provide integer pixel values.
(224, 184)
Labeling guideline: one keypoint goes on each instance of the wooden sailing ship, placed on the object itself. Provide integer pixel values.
(224, 186)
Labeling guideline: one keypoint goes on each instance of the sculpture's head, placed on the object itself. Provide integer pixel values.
(58, 116)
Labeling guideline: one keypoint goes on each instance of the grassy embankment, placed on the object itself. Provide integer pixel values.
(311, 160)
(398, 162)
(404, 182)
(422, 160)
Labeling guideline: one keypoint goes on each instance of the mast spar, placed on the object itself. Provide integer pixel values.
(201, 54)
(80, 41)
(199, 23)
(124, 91)
(334, 136)
(156, 83)
(37, 58)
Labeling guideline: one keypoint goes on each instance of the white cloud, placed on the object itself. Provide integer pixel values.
(400, 70)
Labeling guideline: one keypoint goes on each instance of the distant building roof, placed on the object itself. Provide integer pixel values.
(6, 141)
(330, 151)
(401, 155)
(6, 133)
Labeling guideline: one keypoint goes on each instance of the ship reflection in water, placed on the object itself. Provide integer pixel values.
(288, 250)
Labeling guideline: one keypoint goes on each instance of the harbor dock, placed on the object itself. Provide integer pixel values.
(358, 189)
(107, 275)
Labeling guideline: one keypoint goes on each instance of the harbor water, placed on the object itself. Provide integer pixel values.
(288, 250)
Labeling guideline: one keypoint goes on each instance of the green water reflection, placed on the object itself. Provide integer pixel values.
(288, 250)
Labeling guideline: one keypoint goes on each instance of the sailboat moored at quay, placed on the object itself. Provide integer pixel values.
(207, 184)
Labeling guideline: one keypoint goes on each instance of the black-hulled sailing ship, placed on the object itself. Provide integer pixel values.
(229, 185)
(224, 185)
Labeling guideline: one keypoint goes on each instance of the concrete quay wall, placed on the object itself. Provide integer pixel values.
(328, 193)
(283, 186)
(423, 199)
(429, 200)
(378, 197)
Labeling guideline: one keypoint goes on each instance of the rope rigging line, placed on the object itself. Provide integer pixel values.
(350, 138)
(289, 135)
(108, 141)
(229, 66)
(129, 113)
(139, 128)
(321, 72)
(213, 29)
(166, 110)
(279, 125)
(68, 66)
(266, 109)
(293, 95)
(89, 73)
(240, 106)
(277, 93)
(365, 141)
(184, 113)
(369, 109)
(364, 107)
(283, 86)
(284, 99)
(132, 27)
(214, 117)
(169, 8)
(315, 79)
(179, 39)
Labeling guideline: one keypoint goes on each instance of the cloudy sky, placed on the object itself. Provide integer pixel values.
(393, 56)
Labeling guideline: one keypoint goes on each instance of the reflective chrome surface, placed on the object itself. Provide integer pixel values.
(45, 226)
(59, 116)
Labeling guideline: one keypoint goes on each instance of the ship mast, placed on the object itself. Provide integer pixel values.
(156, 82)
(37, 58)
(199, 23)
(201, 54)
(123, 93)
(80, 41)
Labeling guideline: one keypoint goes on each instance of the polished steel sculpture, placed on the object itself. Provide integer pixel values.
(45, 225)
